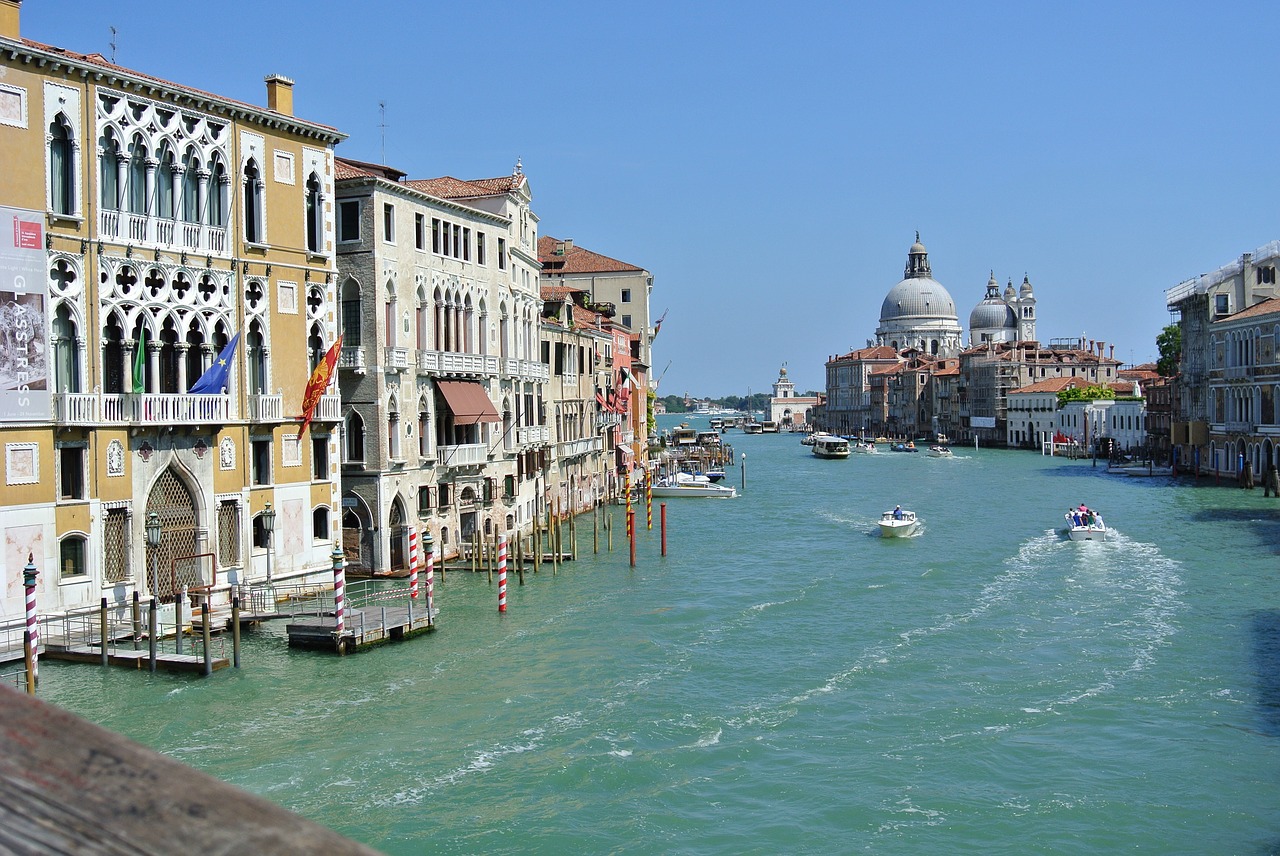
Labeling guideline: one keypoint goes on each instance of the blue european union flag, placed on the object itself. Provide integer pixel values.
(214, 380)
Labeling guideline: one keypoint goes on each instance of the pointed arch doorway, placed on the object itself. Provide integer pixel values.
(175, 506)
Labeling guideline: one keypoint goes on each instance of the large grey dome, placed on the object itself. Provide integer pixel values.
(917, 297)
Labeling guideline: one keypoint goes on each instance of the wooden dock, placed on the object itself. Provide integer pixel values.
(168, 661)
(365, 626)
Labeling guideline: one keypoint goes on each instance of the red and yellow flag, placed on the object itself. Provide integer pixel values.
(318, 383)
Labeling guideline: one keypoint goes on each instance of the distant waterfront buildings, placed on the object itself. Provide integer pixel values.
(915, 379)
(786, 409)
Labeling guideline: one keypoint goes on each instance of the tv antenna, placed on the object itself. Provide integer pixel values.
(112, 44)
(382, 128)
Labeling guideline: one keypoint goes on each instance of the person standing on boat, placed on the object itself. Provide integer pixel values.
(897, 512)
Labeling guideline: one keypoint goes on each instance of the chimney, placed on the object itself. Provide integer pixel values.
(9, 10)
(568, 244)
(279, 93)
(1113, 352)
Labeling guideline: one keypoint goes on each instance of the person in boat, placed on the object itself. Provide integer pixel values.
(897, 512)
(1074, 516)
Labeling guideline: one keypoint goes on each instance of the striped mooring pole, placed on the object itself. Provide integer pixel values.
(429, 551)
(413, 564)
(29, 574)
(339, 594)
(502, 573)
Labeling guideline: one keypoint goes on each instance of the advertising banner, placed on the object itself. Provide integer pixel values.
(24, 318)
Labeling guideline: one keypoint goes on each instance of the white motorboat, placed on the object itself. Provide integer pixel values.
(830, 446)
(863, 447)
(752, 427)
(807, 439)
(939, 452)
(1085, 526)
(898, 523)
(690, 485)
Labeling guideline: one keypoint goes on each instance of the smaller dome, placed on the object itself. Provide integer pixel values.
(1025, 290)
(1009, 293)
(992, 314)
(917, 247)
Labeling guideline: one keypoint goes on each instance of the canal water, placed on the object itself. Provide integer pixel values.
(785, 681)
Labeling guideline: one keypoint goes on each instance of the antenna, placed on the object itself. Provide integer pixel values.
(112, 43)
(382, 127)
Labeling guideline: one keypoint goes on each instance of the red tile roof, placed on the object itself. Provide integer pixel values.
(1266, 307)
(559, 292)
(577, 260)
(448, 187)
(1053, 384)
(877, 352)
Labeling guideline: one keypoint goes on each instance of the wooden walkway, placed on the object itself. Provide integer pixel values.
(168, 661)
(365, 626)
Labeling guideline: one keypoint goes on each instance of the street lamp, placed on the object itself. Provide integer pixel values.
(268, 526)
(155, 531)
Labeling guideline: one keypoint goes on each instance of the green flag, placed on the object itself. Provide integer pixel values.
(140, 363)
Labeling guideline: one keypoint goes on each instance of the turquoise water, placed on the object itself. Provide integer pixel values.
(785, 681)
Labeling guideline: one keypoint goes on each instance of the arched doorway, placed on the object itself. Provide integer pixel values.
(357, 534)
(398, 533)
(175, 507)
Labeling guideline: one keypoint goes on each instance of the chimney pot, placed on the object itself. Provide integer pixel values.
(279, 94)
(9, 18)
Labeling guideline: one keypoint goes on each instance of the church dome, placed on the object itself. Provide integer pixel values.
(917, 297)
(992, 314)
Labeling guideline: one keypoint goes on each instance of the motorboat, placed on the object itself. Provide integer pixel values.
(898, 523)
(863, 447)
(807, 440)
(939, 452)
(908, 446)
(752, 427)
(830, 446)
(1085, 526)
(690, 485)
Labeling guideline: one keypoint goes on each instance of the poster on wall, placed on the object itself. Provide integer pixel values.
(24, 322)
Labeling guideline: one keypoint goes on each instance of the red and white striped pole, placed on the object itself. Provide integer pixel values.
(429, 550)
(413, 564)
(33, 626)
(339, 594)
(502, 573)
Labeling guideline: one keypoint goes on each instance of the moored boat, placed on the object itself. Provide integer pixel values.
(898, 523)
(830, 446)
(689, 485)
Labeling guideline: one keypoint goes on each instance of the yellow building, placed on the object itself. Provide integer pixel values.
(156, 236)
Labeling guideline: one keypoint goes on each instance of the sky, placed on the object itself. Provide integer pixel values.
(770, 164)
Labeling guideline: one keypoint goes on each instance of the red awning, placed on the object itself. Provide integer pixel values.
(468, 401)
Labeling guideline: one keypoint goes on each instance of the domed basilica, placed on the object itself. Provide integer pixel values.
(918, 312)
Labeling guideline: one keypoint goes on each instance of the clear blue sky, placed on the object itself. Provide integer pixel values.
(769, 163)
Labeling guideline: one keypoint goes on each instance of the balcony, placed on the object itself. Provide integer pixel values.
(454, 363)
(576, 448)
(166, 409)
(329, 409)
(472, 454)
(352, 357)
(75, 408)
(161, 233)
(395, 359)
(266, 408)
(530, 434)
(527, 370)
(1237, 372)
(1240, 427)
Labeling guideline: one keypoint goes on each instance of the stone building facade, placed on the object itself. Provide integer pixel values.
(172, 269)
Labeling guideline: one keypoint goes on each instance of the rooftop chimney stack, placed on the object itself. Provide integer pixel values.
(9, 13)
(279, 93)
